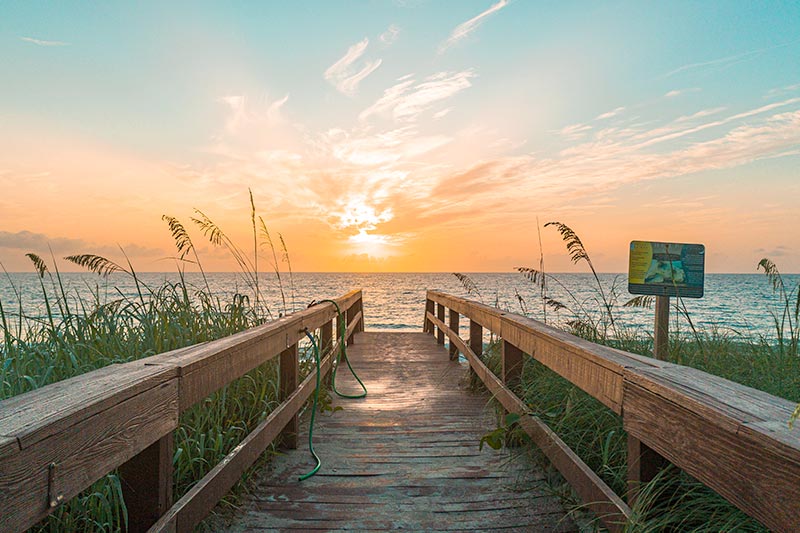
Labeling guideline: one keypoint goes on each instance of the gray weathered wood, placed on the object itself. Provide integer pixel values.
(596, 369)
(404, 458)
(88, 425)
(595, 493)
(82, 453)
(730, 449)
(198, 502)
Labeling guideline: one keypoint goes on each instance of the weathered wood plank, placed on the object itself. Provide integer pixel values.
(595, 369)
(596, 494)
(208, 367)
(379, 472)
(41, 413)
(196, 504)
(727, 455)
(83, 453)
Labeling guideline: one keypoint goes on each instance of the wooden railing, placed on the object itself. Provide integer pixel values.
(58, 440)
(733, 438)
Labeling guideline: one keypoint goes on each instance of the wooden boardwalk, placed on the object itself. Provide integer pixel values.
(404, 458)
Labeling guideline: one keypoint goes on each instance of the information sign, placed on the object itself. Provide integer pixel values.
(666, 269)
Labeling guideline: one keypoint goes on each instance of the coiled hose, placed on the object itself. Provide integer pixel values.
(342, 355)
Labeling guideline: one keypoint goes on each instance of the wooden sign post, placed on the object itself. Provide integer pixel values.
(664, 269)
(661, 330)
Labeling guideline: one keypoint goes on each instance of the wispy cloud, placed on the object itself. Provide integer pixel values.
(343, 74)
(465, 28)
(407, 100)
(575, 132)
(242, 113)
(28, 241)
(677, 92)
(42, 42)
(390, 35)
(783, 90)
(728, 60)
(610, 114)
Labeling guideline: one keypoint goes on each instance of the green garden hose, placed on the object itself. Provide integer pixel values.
(313, 412)
(342, 355)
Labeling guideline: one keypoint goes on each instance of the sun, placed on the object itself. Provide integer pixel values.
(361, 219)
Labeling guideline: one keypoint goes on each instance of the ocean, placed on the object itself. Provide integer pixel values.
(738, 304)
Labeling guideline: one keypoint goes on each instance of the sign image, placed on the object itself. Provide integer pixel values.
(666, 269)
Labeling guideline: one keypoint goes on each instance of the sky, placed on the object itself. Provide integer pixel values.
(401, 135)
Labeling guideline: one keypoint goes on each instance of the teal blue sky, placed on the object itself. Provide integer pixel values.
(404, 132)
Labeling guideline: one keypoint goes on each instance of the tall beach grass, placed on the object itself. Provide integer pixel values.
(673, 501)
(76, 334)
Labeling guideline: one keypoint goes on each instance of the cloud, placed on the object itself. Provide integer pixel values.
(27, 241)
(407, 100)
(575, 132)
(41, 42)
(610, 114)
(604, 162)
(677, 92)
(728, 60)
(783, 90)
(243, 113)
(342, 74)
(390, 35)
(464, 29)
(778, 251)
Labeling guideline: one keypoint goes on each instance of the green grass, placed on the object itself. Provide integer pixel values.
(77, 334)
(673, 501)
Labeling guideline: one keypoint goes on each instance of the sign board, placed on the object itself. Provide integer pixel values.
(666, 269)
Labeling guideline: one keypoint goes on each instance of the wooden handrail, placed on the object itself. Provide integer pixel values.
(733, 438)
(57, 440)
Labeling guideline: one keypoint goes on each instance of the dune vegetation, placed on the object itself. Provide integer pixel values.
(673, 501)
(76, 334)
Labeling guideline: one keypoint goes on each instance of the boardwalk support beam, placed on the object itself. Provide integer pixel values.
(454, 327)
(290, 370)
(146, 481)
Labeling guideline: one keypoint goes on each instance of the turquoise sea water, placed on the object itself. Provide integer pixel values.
(737, 303)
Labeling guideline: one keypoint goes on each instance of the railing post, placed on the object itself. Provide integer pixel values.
(360, 309)
(454, 326)
(289, 365)
(440, 316)
(146, 481)
(644, 464)
(475, 343)
(427, 325)
(512, 365)
(326, 337)
(349, 314)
